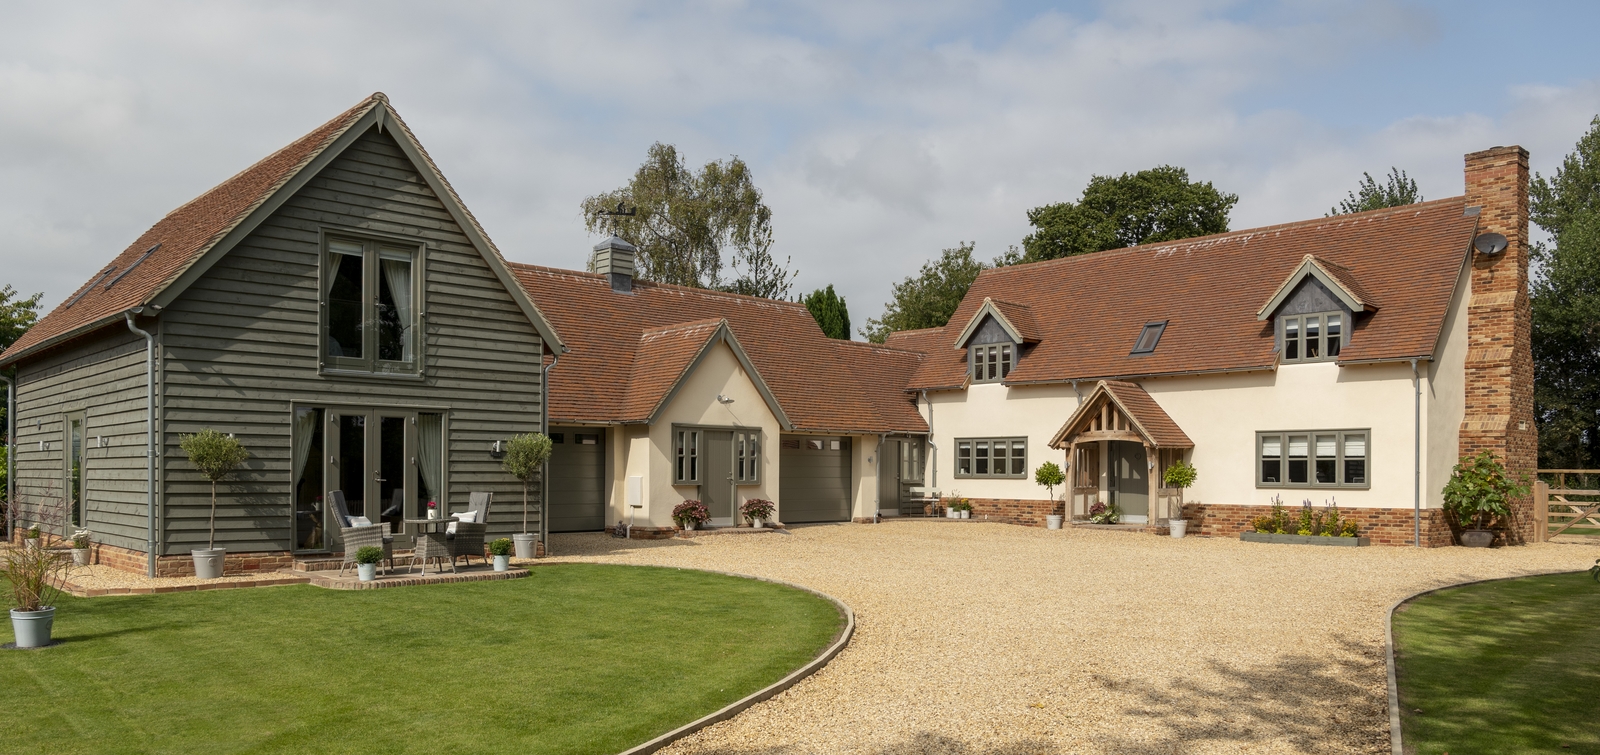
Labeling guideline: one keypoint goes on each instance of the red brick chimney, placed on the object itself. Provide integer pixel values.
(1499, 369)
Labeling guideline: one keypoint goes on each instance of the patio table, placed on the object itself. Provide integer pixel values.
(430, 541)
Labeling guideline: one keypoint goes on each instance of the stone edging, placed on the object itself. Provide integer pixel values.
(765, 693)
(1396, 745)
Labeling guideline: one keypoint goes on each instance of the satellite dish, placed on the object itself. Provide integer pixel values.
(1489, 244)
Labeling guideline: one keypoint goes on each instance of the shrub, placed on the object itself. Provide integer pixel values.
(1101, 513)
(758, 508)
(369, 554)
(1180, 475)
(501, 547)
(1349, 529)
(1309, 519)
(690, 511)
(1479, 491)
(32, 575)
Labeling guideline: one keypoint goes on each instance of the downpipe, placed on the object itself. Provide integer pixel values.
(933, 457)
(544, 474)
(1416, 463)
(11, 453)
(150, 440)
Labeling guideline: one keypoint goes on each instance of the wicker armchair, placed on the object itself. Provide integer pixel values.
(358, 537)
(467, 541)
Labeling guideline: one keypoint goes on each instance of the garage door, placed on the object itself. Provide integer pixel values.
(813, 479)
(577, 480)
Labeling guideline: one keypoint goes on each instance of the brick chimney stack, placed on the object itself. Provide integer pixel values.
(1499, 368)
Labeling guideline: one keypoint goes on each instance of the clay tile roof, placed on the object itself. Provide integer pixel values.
(1091, 308)
(624, 346)
(1346, 280)
(1149, 419)
(183, 236)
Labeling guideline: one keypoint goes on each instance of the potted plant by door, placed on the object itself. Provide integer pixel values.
(690, 514)
(216, 456)
(33, 574)
(1179, 475)
(501, 550)
(1479, 492)
(81, 544)
(758, 511)
(525, 457)
(367, 558)
(1049, 475)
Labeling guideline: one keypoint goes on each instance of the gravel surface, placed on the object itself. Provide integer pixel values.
(990, 638)
(102, 577)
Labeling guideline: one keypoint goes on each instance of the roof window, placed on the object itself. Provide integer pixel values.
(1149, 337)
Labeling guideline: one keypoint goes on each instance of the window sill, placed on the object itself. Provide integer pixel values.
(404, 376)
(1309, 486)
(991, 477)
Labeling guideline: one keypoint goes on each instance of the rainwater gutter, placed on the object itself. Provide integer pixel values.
(150, 440)
(1416, 464)
(544, 474)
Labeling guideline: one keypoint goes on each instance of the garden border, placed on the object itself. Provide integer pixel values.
(765, 693)
(1396, 742)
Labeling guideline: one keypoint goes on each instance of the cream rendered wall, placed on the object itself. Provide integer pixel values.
(863, 476)
(1444, 397)
(647, 450)
(991, 410)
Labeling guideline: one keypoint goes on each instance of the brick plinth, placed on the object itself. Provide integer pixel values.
(1026, 512)
(651, 533)
(1384, 526)
(129, 560)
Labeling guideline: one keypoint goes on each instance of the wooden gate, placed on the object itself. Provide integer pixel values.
(1567, 502)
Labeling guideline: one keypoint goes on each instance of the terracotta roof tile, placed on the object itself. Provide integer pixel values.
(1149, 415)
(822, 385)
(1090, 308)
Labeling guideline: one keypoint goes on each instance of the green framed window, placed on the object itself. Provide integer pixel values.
(1314, 459)
(747, 456)
(686, 457)
(1314, 337)
(991, 363)
(371, 302)
(992, 457)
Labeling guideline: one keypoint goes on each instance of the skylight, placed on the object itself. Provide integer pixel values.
(1149, 337)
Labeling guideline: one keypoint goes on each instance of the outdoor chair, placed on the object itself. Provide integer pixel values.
(467, 540)
(359, 536)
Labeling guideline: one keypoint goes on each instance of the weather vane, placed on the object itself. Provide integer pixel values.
(621, 211)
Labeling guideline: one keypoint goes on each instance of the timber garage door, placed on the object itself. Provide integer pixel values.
(577, 479)
(813, 479)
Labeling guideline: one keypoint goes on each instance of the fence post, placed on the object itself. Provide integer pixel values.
(1541, 511)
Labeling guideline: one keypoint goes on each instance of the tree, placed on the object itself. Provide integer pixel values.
(525, 457)
(16, 316)
(1049, 475)
(1398, 190)
(686, 221)
(1159, 204)
(929, 299)
(216, 456)
(830, 312)
(1566, 309)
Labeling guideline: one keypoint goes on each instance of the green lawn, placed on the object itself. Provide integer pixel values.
(1502, 667)
(572, 659)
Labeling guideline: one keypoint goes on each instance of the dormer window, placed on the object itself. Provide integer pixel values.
(1149, 337)
(1314, 337)
(991, 363)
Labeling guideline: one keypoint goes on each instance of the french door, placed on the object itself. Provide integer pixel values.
(386, 461)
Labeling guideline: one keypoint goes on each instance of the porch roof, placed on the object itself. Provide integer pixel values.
(1149, 420)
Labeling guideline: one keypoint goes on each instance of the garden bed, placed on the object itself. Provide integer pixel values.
(1268, 537)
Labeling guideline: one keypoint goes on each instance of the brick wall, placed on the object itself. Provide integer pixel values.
(124, 559)
(1384, 526)
(1026, 512)
(1499, 365)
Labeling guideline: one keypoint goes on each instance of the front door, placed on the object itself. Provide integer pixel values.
(717, 492)
(1130, 481)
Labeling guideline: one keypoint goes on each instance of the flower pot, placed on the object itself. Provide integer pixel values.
(757, 522)
(433, 513)
(1477, 538)
(527, 544)
(208, 563)
(80, 556)
(31, 543)
(32, 628)
(952, 514)
(688, 525)
(1178, 528)
(366, 572)
(1053, 521)
(966, 513)
(502, 563)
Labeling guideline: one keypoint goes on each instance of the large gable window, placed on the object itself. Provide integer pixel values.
(370, 306)
(1313, 338)
(991, 363)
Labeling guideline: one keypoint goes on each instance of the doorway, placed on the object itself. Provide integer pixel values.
(1129, 481)
(387, 462)
(718, 493)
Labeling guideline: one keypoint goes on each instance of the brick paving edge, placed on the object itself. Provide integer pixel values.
(1396, 744)
(100, 592)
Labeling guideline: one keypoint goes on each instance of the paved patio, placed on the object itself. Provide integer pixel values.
(993, 638)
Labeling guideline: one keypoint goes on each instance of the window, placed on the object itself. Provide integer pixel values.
(1312, 338)
(911, 461)
(991, 457)
(370, 307)
(1149, 337)
(686, 450)
(1312, 459)
(991, 363)
(747, 456)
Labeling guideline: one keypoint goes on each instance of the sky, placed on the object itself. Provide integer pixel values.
(880, 133)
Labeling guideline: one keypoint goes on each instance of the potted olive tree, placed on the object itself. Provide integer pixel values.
(525, 457)
(367, 558)
(1478, 493)
(501, 550)
(1180, 474)
(216, 456)
(33, 575)
(1049, 475)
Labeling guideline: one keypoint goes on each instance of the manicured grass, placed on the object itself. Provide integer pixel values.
(572, 659)
(1502, 667)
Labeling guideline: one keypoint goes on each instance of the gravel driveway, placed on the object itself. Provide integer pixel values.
(990, 638)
